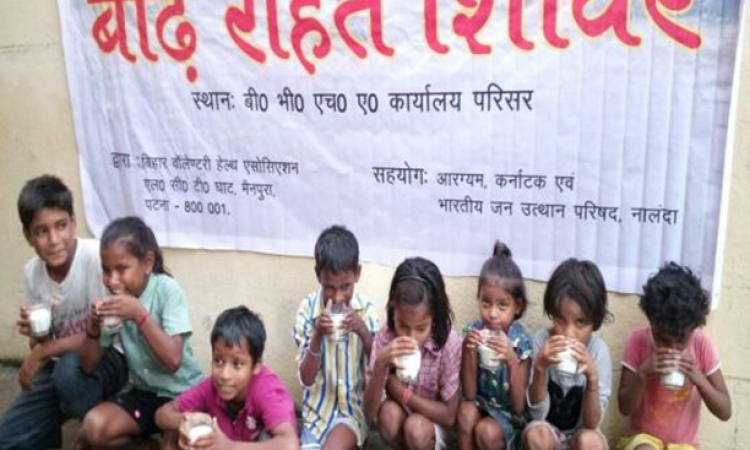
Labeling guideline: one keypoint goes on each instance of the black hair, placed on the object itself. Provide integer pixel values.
(582, 282)
(418, 281)
(674, 301)
(46, 191)
(137, 238)
(336, 251)
(501, 266)
(240, 324)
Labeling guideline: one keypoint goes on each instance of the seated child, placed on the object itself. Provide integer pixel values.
(413, 389)
(244, 397)
(572, 370)
(155, 333)
(333, 356)
(67, 273)
(491, 417)
(667, 416)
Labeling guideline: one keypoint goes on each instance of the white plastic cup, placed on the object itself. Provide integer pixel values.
(338, 334)
(568, 365)
(488, 358)
(111, 324)
(673, 380)
(40, 320)
(200, 424)
(409, 370)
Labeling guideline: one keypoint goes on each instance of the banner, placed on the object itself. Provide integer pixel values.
(587, 128)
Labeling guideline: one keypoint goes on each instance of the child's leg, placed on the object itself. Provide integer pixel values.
(419, 432)
(589, 440)
(540, 435)
(169, 440)
(468, 416)
(489, 435)
(391, 421)
(341, 437)
(108, 425)
(33, 420)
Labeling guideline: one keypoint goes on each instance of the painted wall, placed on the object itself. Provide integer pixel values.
(36, 136)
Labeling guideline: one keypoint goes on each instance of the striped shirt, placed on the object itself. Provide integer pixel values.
(339, 387)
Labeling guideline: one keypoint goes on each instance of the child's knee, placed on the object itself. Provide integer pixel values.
(468, 416)
(390, 419)
(588, 440)
(489, 434)
(419, 432)
(538, 438)
(95, 427)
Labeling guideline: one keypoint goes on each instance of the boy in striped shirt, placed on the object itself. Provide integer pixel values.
(334, 347)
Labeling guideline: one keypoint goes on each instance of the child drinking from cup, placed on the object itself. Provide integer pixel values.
(495, 359)
(418, 407)
(155, 335)
(671, 367)
(242, 399)
(334, 330)
(572, 370)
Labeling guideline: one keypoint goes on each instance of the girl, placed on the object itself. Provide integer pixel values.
(414, 415)
(572, 370)
(495, 398)
(154, 334)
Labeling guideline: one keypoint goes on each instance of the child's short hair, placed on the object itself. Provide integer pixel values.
(138, 239)
(500, 266)
(239, 324)
(674, 301)
(582, 282)
(336, 251)
(46, 191)
(418, 281)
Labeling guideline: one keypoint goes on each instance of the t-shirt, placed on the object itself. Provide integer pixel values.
(71, 297)
(267, 405)
(166, 303)
(670, 415)
(563, 405)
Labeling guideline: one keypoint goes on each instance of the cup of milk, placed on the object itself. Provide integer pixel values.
(488, 358)
(338, 315)
(199, 425)
(568, 365)
(409, 370)
(40, 319)
(674, 379)
(111, 324)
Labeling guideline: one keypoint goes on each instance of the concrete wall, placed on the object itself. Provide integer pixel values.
(36, 136)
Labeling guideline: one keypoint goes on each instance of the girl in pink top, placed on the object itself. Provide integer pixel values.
(671, 367)
(415, 360)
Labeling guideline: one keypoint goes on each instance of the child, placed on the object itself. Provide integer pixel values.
(67, 273)
(491, 415)
(419, 320)
(676, 307)
(155, 334)
(331, 370)
(243, 396)
(568, 405)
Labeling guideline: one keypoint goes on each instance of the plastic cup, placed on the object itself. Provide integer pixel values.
(409, 370)
(673, 380)
(338, 315)
(488, 358)
(200, 424)
(40, 319)
(111, 324)
(568, 365)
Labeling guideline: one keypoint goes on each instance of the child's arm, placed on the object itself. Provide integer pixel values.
(385, 359)
(310, 364)
(91, 351)
(43, 351)
(597, 369)
(546, 356)
(357, 325)
(633, 384)
(469, 364)
(519, 380)
(168, 417)
(441, 412)
(712, 388)
(167, 349)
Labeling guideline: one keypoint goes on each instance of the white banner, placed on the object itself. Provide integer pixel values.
(586, 128)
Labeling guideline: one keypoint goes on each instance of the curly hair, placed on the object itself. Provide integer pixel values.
(674, 301)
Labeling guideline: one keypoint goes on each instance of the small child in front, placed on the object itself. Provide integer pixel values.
(243, 396)
(572, 370)
(670, 367)
(333, 348)
(491, 417)
(415, 360)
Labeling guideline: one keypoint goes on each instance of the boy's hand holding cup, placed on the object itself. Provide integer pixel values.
(338, 312)
(22, 323)
(473, 339)
(196, 431)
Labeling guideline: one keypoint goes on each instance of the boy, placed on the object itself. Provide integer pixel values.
(664, 417)
(332, 356)
(244, 397)
(66, 272)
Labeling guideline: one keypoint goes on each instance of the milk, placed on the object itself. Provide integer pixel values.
(40, 320)
(673, 380)
(409, 370)
(111, 324)
(568, 364)
(338, 327)
(198, 431)
(488, 358)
